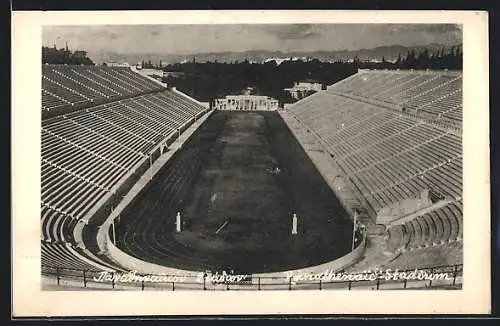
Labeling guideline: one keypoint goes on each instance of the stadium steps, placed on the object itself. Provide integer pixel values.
(166, 120)
(110, 92)
(118, 144)
(441, 168)
(377, 254)
(70, 142)
(58, 80)
(152, 123)
(396, 238)
(102, 171)
(130, 86)
(437, 227)
(436, 92)
(119, 118)
(441, 255)
(63, 92)
(81, 85)
(54, 102)
(126, 131)
(124, 90)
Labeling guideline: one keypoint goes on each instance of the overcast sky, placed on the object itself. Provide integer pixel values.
(186, 39)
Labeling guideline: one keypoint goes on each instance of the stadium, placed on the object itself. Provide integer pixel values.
(138, 177)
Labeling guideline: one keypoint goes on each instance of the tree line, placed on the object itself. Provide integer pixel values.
(208, 80)
(438, 59)
(65, 56)
(150, 65)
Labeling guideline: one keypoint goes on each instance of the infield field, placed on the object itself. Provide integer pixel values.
(236, 184)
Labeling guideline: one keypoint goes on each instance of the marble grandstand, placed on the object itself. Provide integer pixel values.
(89, 150)
(395, 138)
(68, 86)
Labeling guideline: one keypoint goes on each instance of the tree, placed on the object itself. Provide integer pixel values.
(398, 61)
(65, 56)
(214, 79)
(422, 60)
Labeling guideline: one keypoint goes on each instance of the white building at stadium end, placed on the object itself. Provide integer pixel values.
(302, 89)
(246, 103)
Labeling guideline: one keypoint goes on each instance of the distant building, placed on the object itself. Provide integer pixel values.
(303, 88)
(246, 103)
(152, 72)
(174, 74)
(117, 64)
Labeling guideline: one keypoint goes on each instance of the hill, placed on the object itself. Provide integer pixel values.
(390, 53)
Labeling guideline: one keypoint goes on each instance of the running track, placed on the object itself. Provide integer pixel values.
(223, 174)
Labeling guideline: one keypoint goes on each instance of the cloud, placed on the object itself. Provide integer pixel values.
(422, 28)
(188, 39)
(113, 36)
(293, 32)
(443, 28)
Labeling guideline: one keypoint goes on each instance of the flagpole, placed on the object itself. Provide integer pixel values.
(150, 168)
(114, 232)
(354, 229)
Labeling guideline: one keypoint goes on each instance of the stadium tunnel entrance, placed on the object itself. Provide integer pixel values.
(236, 185)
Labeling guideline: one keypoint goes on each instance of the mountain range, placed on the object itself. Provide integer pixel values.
(390, 53)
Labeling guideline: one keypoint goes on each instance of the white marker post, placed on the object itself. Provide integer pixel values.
(294, 224)
(178, 222)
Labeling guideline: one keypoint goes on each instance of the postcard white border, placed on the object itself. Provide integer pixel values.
(29, 300)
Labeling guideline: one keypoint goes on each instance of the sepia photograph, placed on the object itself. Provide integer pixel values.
(263, 157)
